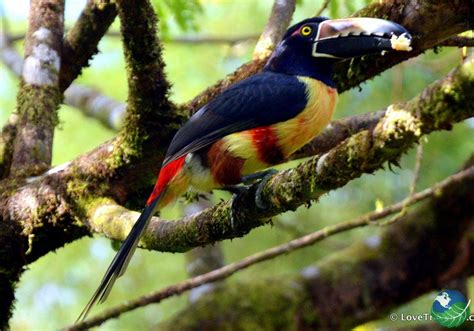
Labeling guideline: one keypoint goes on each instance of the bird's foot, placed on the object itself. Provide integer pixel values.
(262, 177)
(238, 190)
(252, 178)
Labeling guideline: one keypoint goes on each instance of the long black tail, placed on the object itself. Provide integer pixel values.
(122, 258)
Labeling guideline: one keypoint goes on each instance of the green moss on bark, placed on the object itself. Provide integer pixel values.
(354, 285)
(81, 42)
(37, 111)
(150, 114)
(38, 105)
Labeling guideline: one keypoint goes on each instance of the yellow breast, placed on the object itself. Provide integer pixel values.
(291, 134)
(296, 132)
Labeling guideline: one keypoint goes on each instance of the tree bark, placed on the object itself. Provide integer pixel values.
(40, 214)
(39, 95)
(81, 41)
(424, 251)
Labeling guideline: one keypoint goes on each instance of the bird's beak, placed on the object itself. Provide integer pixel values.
(353, 37)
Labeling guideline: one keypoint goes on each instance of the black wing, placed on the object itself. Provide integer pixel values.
(260, 100)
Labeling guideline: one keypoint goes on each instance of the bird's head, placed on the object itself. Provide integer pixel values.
(311, 46)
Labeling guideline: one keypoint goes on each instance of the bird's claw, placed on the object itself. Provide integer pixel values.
(238, 190)
(264, 177)
(251, 178)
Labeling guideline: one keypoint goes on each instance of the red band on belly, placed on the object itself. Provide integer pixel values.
(226, 169)
(266, 142)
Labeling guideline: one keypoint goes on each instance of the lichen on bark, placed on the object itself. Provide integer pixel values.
(39, 96)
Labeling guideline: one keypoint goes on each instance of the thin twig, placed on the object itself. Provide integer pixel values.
(458, 41)
(81, 42)
(310, 239)
(323, 7)
(180, 39)
(201, 260)
(280, 18)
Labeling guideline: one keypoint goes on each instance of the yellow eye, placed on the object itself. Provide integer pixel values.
(306, 31)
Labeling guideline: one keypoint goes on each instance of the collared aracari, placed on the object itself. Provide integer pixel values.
(260, 121)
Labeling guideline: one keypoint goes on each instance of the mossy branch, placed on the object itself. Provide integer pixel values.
(81, 41)
(88, 100)
(151, 118)
(445, 20)
(427, 249)
(216, 274)
(39, 96)
(150, 114)
(63, 196)
(444, 102)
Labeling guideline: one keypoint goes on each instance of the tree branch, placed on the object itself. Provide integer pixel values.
(81, 41)
(446, 20)
(457, 180)
(442, 103)
(323, 7)
(151, 120)
(426, 250)
(39, 96)
(89, 101)
(37, 101)
(277, 24)
(67, 192)
(92, 103)
(458, 41)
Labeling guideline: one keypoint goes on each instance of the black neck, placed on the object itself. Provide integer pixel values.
(293, 63)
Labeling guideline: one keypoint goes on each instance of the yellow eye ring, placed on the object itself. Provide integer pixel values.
(306, 31)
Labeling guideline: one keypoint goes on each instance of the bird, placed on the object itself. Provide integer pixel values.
(260, 121)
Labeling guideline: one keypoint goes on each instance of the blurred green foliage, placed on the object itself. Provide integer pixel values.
(55, 289)
(183, 13)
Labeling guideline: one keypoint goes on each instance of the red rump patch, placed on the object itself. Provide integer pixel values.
(266, 141)
(165, 176)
